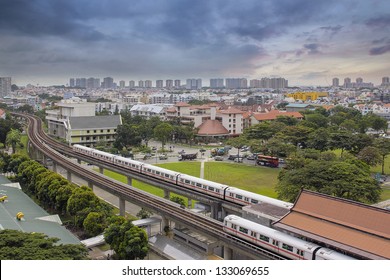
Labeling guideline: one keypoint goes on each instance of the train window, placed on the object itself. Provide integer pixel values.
(234, 226)
(246, 199)
(205, 187)
(300, 252)
(243, 230)
(253, 234)
(254, 201)
(238, 196)
(264, 238)
(217, 190)
(198, 185)
(158, 172)
(231, 194)
(167, 175)
(187, 181)
(287, 247)
(275, 242)
(193, 183)
(211, 189)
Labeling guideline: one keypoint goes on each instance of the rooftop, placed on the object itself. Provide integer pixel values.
(95, 122)
(351, 226)
(35, 218)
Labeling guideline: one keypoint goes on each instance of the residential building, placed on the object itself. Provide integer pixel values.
(304, 96)
(177, 83)
(217, 83)
(169, 84)
(108, 82)
(256, 118)
(131, 84)
(159, 84)
(194, 84)
(148, 83)
(149, 110)
(5, 86)
(141, 84)
(335, 82)
(122, 84)
(385, 81)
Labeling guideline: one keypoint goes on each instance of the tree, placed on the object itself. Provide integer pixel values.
(94, 223)
(178, 200)
(17, 245)
(383, 144)
(128, 241)
(350, 179)
(13, 139)
(370, 155)
(163, 132)
(144, 214)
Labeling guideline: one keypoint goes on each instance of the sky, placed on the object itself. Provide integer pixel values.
(308, 42)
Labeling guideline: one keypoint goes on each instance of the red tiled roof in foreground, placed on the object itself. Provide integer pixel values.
(212, 128)
(351, 226)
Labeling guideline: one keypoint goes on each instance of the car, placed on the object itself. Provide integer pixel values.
(238, 159)
(202, 150)
(163, 156)
(218, 158)
(251, 157)
(232, 157)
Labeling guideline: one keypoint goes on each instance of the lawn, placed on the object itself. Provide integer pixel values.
(256, 179)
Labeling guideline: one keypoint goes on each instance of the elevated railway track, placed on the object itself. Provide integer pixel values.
(166, 208)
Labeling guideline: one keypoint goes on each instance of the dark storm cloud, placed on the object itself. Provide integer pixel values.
(379, 22)
(313, 48)
(380, 50)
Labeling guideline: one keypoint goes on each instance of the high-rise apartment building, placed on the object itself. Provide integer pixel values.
(72, 82)
(385, 81)
(347, 82)
(5, 86)
(122, 84)
(159, 84)
(216, 83)
(359, 80)
(131, 84)
(148, 83)
(236, 83)
(108, 82)
(194, 84)
(335, 82)
(169, 83)
(141, 84)
(177, 83)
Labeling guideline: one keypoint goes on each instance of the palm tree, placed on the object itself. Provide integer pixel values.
(13, 139)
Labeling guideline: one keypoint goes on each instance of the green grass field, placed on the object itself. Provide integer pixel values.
(261, 180)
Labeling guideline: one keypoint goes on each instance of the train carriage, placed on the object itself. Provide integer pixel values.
(204, 186)
(245, 198)
(278, 242)
(128, 163)
(158, 172)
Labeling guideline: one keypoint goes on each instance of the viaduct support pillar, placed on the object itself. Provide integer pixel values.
(167, 194)
(90, 185)
(101, 170)
(69, 176)
(129, 180)
(55, 166)
(214, 210)
(79, 161)
(122, 207)
(227, 253)
(189, 203)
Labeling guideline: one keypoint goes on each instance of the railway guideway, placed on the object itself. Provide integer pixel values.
(167, 209)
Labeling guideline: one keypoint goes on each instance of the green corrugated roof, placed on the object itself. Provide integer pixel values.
(18, 201)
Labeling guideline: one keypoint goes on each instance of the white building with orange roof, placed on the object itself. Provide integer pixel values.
(2, 114)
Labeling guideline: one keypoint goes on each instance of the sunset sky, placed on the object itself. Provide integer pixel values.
(307, 42)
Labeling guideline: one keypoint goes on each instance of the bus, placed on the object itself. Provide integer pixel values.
(267, 161)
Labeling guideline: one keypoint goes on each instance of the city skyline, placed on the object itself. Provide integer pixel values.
(308, 43)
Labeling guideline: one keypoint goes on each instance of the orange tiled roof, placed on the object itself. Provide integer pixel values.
(182, 104)
(212, 128)
(231, 110)
(272, 115)
(351, 226)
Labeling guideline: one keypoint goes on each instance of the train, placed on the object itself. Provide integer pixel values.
(221, 191)
(278, 242)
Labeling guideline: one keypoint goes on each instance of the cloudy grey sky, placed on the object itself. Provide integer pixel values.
(308, 42)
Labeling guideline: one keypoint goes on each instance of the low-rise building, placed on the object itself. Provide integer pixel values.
(88, 131)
